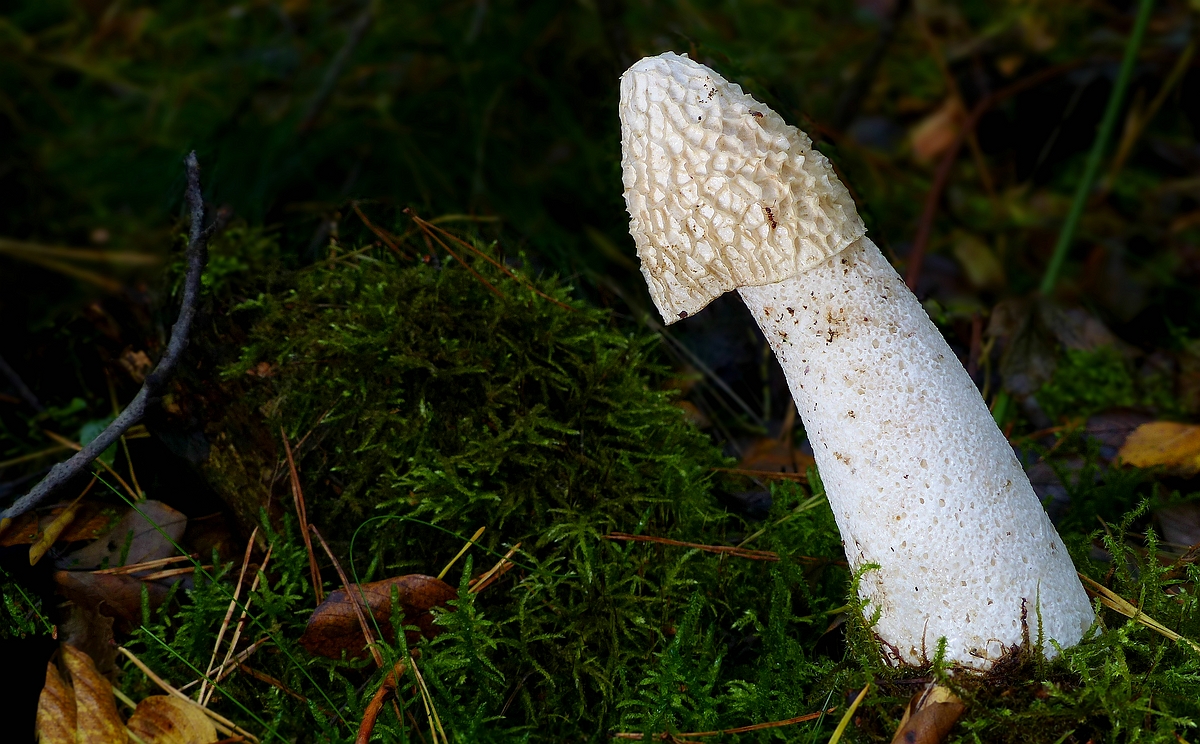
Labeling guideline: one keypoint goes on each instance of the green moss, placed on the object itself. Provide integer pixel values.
(423, 405)
(1086, 382)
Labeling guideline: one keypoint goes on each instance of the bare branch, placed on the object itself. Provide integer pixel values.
(197, 256)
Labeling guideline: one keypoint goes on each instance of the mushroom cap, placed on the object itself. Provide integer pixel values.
(721, 193)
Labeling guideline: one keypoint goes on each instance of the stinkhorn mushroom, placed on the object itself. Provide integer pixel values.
(926, 491)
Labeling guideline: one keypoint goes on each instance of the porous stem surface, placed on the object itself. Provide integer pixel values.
(921, 481)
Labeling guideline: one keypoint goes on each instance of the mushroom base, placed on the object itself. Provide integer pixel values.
(924, 487)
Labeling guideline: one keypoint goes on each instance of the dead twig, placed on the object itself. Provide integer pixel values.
(386, 690)
(432, 230)
(302, 514)
(237, 632)
(754, 555)
(494, 573)
(352, 591)
(765, 474)
(223, 724)
(233, 601)
(197, 256)
(379, 232)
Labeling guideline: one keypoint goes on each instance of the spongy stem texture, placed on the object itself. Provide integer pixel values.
(921, 481)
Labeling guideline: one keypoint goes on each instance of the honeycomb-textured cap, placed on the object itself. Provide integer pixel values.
(721, 193)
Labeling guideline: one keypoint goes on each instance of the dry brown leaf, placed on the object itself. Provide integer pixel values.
(929, 716)
(53, 530)
(96, 719)
(162, 719)
(334, 628)
(92, 520)
(936, 132)
(144, 534)
(113, 595)
(56, 710)
(1168, 444)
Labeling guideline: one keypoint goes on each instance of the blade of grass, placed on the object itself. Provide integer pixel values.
(841, 727)
(465, 548)
(1092, 166)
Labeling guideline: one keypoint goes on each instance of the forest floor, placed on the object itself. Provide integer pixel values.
(423, 361)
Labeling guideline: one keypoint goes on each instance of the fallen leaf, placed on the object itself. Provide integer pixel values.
(147, 533)
(96, 718)
(92, 633)
(1168, 444)
(114, 595)
(53, 530)
(936, 132)
(334, 629)
(56, 710)
(929, 716)
(91, 520)
(162, 719)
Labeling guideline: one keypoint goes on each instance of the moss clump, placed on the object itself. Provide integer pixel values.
(422, 405)
(1086, 382)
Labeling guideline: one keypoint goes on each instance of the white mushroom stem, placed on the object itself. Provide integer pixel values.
(931, 502)
(920, 480)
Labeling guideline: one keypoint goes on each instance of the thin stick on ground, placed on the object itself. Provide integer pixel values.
(495, 572)
(386, 691)
(147, 565)
(754, 555)
(1139, 118)
(264, 677)
(430, 228)
(379, 233)
(465, 548)
(354, 600)
(233, 602)
(302, 514)
(223, 724)
(765, 474)
(196, 258)
(237, 632)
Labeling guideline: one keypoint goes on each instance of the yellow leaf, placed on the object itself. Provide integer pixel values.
(162, 719)
(56, 710)
(97, 721)
(1168, 444)
(56, 528)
